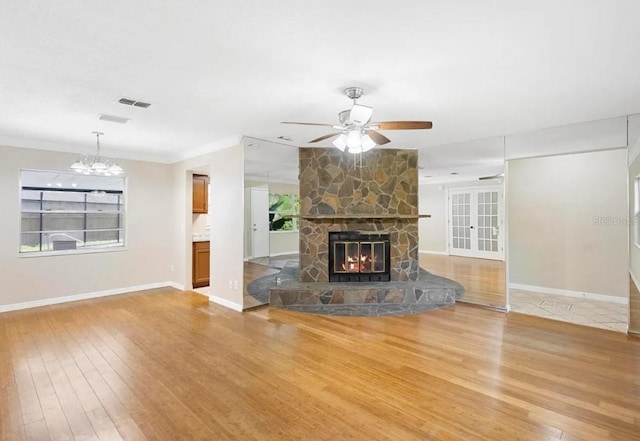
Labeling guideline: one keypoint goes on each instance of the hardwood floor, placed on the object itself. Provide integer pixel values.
(167, 365)
(251, 272)
(483, 279)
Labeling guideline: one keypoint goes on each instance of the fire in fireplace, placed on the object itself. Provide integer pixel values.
(357, 256)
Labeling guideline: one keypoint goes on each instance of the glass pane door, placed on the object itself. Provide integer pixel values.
(475, 223)
(460, 219)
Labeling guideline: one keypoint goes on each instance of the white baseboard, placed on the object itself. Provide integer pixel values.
(569, 293)
(439, 253)
(86, 296)
(177, 286)
(284, 254)
(225, 303)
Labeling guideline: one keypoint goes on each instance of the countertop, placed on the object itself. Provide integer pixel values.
(202, 237)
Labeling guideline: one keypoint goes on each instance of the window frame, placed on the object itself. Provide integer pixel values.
(82, 250)
(295, 216)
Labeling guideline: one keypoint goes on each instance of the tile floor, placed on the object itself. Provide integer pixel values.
(204, 290)
(594, 313)
(248, 301)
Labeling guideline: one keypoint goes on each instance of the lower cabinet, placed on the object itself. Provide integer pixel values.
(200, 264)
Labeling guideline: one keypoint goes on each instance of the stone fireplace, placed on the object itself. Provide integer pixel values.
(379, 197)
(359, 223)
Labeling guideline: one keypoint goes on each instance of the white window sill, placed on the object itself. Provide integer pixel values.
(111, 249)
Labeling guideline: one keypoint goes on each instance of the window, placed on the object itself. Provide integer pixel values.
(283, 212)
(67, 211)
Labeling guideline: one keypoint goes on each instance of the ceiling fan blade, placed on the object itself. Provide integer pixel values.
(498, 176)
(322, 138)
(403, 125)
(307, 124)
(378, 138)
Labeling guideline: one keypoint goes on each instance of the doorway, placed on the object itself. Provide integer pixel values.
(475, 222)
(259, 222)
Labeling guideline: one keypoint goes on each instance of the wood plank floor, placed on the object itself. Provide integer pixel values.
(167, 365)
(483, 279)
(253, 271)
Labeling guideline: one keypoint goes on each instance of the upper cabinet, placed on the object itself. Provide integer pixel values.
(200, 193)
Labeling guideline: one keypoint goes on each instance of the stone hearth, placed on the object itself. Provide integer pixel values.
(359, 299)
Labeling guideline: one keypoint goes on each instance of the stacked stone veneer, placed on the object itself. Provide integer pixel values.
(379, 195)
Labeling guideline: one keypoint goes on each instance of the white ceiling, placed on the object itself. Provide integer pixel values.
(215, 71)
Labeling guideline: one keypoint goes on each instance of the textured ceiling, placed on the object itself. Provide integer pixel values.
(215, 71)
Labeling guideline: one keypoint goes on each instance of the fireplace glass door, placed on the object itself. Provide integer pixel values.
(358, 257)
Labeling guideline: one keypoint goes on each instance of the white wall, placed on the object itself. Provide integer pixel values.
(566, 222)
(227, 229)
(573, 138)
(433, 230)
(150, 225)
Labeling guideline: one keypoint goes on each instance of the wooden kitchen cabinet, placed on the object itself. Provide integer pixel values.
(201, 264)
(200, 193)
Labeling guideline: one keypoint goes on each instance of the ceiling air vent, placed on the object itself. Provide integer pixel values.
(141, 104)
(126, 101)
(132, 102)
(113, 118)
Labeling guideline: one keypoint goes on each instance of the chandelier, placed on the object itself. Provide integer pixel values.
(96, 165)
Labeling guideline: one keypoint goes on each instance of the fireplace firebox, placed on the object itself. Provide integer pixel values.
(359, 256)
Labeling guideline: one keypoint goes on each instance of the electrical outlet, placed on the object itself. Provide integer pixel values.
(235, 284)
(230, 284)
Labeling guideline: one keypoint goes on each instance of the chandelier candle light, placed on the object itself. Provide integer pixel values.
(96, 165)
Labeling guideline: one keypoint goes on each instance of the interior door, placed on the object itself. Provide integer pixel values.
(475, 222)
(259, 222)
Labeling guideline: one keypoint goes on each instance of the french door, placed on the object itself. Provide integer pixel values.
(475, 222)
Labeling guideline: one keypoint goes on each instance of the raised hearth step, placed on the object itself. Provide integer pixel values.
(333, 294)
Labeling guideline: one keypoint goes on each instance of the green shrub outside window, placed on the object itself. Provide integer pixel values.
(283, 212)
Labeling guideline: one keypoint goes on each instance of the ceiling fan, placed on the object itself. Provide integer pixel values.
(356, 133)
(496, 176)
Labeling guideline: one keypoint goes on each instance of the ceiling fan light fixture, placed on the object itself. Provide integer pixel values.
(356, 133)
(353, 139)
(367, 143)
(340, 142)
